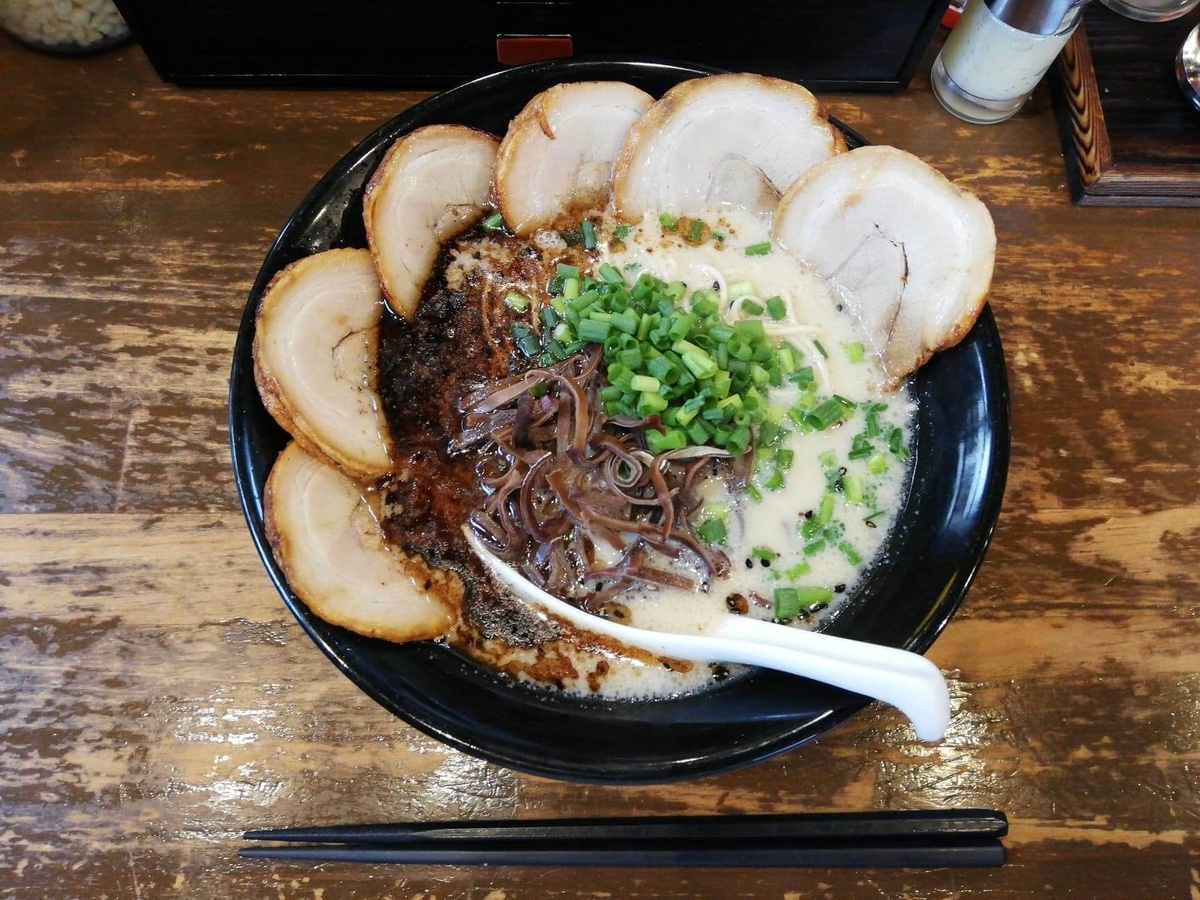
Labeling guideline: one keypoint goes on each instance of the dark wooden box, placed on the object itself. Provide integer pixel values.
(858, 44)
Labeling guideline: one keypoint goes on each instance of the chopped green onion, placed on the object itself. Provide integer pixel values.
(516, 300)
(854, 351)
(621, 232)
(821, 348)
(828, 413)
(802, 377)
(764, 553)
(668, 221)
(787, 603)
(852, 556)
(877, 463)
(609, 274)
(738, 441)
(797, 570)
(659, 442)
(752, 307)
(700, 364)
(811, 596)
(695, 230)
(712, 531)
(784, 458)
(494, 222)
(759, 249)
(824, 511)
(644, 383)
(527, 342)
(776, 308)
(567, 271)
(852, 486)
(592, 330)
(650, 402)
(589, 234)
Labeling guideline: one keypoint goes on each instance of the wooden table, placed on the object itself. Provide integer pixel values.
(157, 698)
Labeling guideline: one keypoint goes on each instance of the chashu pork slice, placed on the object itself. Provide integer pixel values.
(432, 185)
(326, 537)
(315, 344)
(557, 156)
(724, 139)
(910, 252)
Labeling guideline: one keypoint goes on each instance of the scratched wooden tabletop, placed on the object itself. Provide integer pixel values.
(156, 697)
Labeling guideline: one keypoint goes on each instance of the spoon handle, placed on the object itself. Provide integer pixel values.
(905, 680)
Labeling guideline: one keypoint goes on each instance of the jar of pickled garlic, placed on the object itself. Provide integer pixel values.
(64, 26)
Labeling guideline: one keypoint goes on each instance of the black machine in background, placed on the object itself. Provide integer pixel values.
(850, 45)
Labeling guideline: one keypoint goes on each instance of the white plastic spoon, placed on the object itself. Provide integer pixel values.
(905, 680)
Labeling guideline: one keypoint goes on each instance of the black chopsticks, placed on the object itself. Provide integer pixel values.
(921, 838)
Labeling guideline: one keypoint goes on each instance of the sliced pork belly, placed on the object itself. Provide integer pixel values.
(725, 139)
(315, 348)
(326, 537)
(910, 252)
(431, 186)
(556, 158)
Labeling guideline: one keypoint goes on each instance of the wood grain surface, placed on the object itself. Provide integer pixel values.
(1130, 137)
(156, 698)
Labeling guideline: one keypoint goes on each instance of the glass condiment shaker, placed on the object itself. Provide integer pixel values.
(998, 52)
(64, 26)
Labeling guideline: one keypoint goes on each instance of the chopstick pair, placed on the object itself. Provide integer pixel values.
(921, 838)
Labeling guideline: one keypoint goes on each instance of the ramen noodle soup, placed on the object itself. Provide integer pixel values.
(797, 534)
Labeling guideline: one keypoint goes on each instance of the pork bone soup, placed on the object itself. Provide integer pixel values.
(663, 423)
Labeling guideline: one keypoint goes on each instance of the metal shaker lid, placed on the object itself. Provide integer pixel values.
(1037, 16)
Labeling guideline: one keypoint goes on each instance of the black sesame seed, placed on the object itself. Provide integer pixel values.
(716, 285)
(808, 514)
(749, 563)
(817, 607)
(870, 524)
(839, 589)
(843, 470)
(766, 563)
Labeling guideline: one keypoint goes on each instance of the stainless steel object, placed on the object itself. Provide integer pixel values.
(1038, 16)
(1187, 67)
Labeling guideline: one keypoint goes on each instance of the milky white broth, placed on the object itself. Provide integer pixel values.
(774, 521)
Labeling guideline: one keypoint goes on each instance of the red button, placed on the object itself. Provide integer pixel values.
(517, 51)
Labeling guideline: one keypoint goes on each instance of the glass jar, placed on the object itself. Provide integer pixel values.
(1152, 10)
(64, 26)
(998, 52)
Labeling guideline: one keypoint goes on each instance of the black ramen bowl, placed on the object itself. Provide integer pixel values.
(961, 460)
